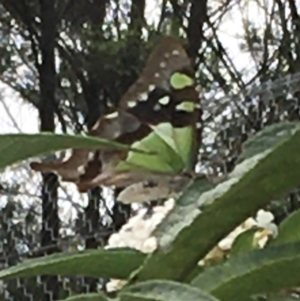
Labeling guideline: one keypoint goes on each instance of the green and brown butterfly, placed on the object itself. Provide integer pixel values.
(160, 115)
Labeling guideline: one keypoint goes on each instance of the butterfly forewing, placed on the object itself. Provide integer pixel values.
(164, 99)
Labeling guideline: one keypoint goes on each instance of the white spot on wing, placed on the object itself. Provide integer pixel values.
(198, 125)
(156, 75)
(163, 65)
(96, 125)
(164, 100)
(143, 97)
(131, 104)
(157, 107)
(81, 169)
(151, 88)
(175, 52)
(91, 156)
(112, 115)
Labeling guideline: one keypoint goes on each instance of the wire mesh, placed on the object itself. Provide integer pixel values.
(229, 121)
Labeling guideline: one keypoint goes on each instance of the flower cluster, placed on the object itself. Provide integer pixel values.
(265, 229)
(138, 234)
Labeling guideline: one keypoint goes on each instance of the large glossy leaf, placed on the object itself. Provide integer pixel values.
(163, 291)
(259, 271)
(17, 147)
(289, 230)
(282, 296)
(245, 242)
(113, 263)
(184, 212)
(268, 138)
(224, 208)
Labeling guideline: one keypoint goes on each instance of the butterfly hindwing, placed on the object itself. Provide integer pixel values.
(163, 160)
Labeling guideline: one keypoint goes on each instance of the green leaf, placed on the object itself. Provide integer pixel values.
(112, 263)
(289, 230)
(224, 208)
(283, 296)
(259, 271)
(87, 297)
(163, 291)
(183, 213)
(17, 147)
(244, 243)
(268, 138)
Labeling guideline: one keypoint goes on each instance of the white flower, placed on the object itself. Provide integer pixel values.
(264, 217)
(136, 234)
(169, 204)
(226, 243)
(115, 284)
(263, 221)
(114, 240)
(150, 245)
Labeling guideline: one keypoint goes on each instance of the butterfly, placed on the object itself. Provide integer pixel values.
(159, 115)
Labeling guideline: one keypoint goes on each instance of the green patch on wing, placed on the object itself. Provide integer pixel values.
(179, 81)
(171, 147)
(179, 139)
(187, 106)
(184, 138)
(163, 160)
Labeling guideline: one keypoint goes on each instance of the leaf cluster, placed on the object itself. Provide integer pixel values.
(203, 215)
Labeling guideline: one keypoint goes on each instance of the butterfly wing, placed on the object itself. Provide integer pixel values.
(157, 114)
(165, 102)
(164, 108)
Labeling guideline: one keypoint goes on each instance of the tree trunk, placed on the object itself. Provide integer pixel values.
(50, 219)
